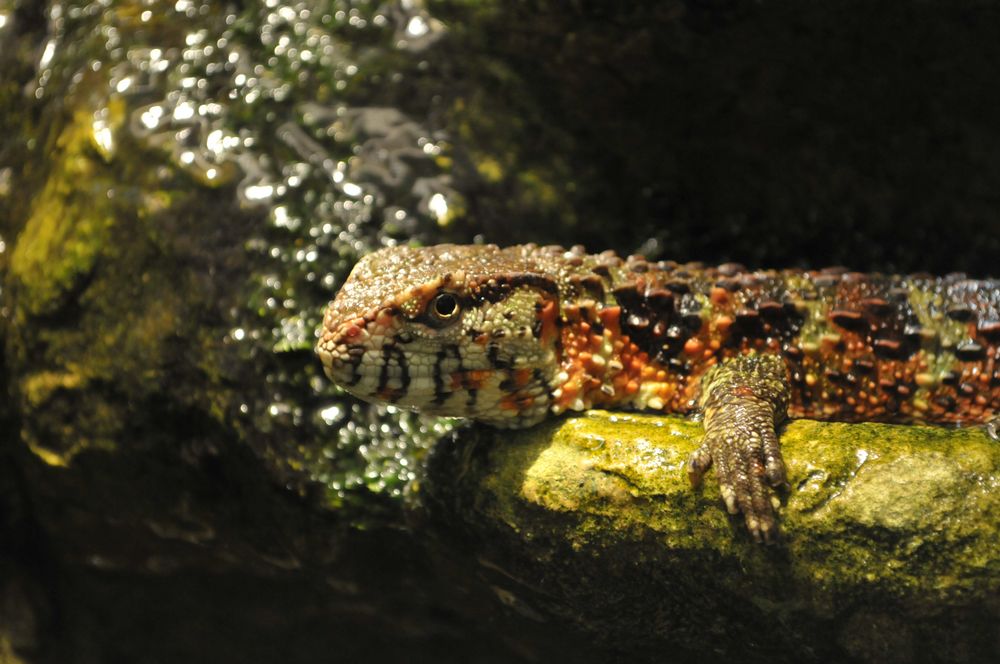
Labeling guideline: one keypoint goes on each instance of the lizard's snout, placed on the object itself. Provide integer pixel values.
(340, 350)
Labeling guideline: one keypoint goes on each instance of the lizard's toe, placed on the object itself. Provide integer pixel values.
(698, 464)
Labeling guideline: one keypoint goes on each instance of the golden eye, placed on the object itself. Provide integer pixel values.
(445, 307)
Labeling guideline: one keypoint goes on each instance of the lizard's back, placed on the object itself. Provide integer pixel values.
(607, 331)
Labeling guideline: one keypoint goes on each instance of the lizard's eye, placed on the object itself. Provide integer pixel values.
(444, 308)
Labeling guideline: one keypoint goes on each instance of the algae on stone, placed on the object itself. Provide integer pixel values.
(98, 292)
(593, 518)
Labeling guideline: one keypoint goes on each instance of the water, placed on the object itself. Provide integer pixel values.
(293, 109)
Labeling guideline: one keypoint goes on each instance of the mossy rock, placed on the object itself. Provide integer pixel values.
(115, 289)
(890, 549)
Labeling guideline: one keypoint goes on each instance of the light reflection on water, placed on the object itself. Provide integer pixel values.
(263, 102)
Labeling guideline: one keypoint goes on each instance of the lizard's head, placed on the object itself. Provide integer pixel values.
(464, 331)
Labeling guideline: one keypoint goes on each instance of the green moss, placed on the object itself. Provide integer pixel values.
(898, 519)
(7, 653)
(102, 296)
(70, 221)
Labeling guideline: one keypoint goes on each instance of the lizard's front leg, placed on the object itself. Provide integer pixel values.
(743, 400)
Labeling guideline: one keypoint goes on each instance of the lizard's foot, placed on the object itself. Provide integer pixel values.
(742, 400)
(747, 463)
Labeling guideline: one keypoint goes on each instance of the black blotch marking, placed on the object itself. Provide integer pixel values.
(876, 306)
(679, 287)
(441, 392)
(493, 356)
(989, 330)
(890, 349)
(961, 314)
(863, 366)
(648, 318)
(948, 402)
(591, 285)
(357, 354)
(970, 351)
(730, 285)
(849, 320)
(748, 324)
(508, 384)
(536, 326)
(389, 353)
(500, 286)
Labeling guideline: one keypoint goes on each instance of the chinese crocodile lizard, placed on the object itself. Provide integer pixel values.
(507, 336)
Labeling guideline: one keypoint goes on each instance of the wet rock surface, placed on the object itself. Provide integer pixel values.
(888, 550)
(185, 184)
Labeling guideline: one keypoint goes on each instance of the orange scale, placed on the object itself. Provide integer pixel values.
(718, 296)
(609, 316)
(522, 377)
(510, 402)
(693, 346)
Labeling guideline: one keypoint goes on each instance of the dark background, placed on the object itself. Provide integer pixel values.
(776, 134)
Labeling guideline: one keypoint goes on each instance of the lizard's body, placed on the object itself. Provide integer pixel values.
(508, 335)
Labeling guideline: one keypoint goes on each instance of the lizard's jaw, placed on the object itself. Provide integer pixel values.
(454, 384)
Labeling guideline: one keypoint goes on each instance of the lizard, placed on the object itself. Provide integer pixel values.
(509, 336)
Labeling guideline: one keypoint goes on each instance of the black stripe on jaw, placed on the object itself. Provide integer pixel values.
(440, 393)
(493, 357)
(390, 352)
(357, 355)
